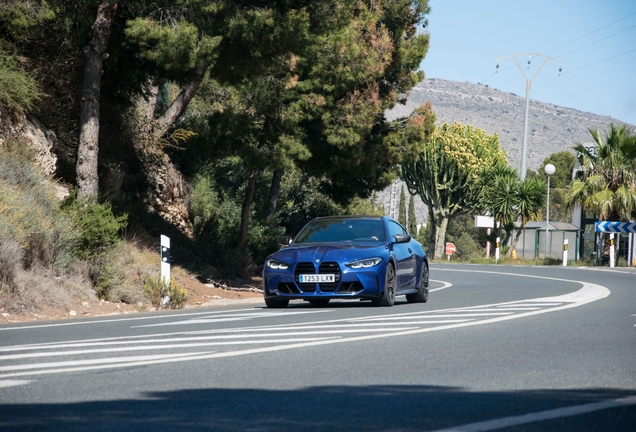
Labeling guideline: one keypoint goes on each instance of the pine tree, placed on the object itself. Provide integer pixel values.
(402, 208)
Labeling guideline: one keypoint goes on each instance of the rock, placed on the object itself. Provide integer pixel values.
(72, 313)
(6, 315)
(38, 137)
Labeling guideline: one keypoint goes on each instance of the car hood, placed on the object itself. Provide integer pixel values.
(328, 252)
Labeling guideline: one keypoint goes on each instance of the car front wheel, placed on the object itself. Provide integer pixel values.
(388, 298)
(276, 303)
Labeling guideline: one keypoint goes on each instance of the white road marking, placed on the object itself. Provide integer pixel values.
(444, 285)
(148, 317)
(91, 361)
(541, 416)
(155, 347)
(13, 383)
(588, 293)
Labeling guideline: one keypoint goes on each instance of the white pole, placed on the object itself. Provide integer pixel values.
(497, 249)
(547, 220)
(165, 266)
(528, 89)
(565, 253)
(524, 145)
(611, 251)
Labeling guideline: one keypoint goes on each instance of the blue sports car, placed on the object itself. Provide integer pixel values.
(347, 257)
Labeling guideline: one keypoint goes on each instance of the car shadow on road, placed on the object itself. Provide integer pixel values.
(329, 408)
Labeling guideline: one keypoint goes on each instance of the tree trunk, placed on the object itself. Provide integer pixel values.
(247, 204)
(169, 189)
(432, 232)
(88, 150)
(274, 192)
(179, 105)
(514, 242)
(440, 237)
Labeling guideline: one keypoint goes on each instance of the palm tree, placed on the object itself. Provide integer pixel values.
(607, 186)
(509, 199)
(531, 199)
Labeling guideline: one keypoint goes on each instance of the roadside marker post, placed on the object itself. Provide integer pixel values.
(565, 253)
(165, 266)
(497, 249)
(611, 251)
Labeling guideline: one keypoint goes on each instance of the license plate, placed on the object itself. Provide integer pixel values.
(316, 278)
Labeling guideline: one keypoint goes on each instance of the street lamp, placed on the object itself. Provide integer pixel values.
(549, 170)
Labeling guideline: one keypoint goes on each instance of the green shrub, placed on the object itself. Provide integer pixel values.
(155, 289)
(99, 227)
(31, 216)
(18, 88)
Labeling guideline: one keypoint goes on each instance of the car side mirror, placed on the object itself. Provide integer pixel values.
(402, 238)
(285, 240)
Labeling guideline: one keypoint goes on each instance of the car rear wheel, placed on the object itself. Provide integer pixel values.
(276, 303)
(421, 296)
(319, 302)
(388, 298)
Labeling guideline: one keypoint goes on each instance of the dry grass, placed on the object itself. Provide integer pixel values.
(43, 295)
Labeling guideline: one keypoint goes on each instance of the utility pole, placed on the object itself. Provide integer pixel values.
(524, 147)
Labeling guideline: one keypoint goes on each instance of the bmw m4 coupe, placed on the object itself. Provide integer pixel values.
(347, 257)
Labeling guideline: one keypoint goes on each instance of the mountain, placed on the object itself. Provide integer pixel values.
(551, 128)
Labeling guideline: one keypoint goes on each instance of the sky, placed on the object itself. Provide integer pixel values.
(594, 40)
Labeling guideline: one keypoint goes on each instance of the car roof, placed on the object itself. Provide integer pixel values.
(372, 217)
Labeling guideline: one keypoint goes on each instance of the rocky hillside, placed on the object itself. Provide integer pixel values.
(551, 128)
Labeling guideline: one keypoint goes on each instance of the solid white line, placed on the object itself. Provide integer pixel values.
(93, 361)
(444, 286)
(153, 317)
(13, 383)
(455, 315)
(541, 416)
(140, 344)
(156, 347)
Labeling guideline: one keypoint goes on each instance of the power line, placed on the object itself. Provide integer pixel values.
(592, 43)
(585, 67)
(593, 31)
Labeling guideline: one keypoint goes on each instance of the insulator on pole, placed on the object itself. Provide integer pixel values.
(560, 69)
(529, 57)
(497, 68)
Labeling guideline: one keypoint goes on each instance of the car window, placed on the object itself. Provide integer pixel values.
(342, 230)
(395, 229)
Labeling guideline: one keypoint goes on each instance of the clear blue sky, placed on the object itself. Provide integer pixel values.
(594, 39)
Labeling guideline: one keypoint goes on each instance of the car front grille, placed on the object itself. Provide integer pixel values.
(330, 268)
(324, 268)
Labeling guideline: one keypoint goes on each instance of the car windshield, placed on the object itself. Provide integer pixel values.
(342, 230)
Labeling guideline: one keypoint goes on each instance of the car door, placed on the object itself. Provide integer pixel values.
(404, 257)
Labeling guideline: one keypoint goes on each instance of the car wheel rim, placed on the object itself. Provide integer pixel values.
(424, 281)
(390, 283)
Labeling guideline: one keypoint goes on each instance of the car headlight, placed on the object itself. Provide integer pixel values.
(365, 263)
(277, 265)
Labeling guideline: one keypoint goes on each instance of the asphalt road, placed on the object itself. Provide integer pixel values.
(495, 348)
